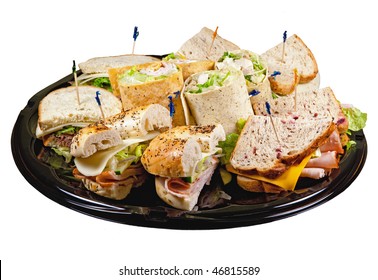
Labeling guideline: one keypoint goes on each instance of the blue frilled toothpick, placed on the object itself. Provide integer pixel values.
(75, 79)
(267, 106)
(171, 107)
(99, 103)
(135, 36)
(275, 73)
(283, 46)
(254, 93)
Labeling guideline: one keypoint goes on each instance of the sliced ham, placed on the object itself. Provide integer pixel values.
(180, 188)
(333, 143)
(134, 175)
(313, 173)
(327, 160)
(110, 175)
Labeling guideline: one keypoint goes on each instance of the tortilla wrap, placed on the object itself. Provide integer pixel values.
(150, 92)
(191, 67)
(257, 71)
(223, 104)
(198, 47)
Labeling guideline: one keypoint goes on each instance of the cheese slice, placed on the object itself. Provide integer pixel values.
(287, 180)
(96, 163)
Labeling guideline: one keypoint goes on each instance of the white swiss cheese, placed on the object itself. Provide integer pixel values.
(95, 164)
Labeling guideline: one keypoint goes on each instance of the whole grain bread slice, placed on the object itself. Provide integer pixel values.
(308, 104)
(296, 56)
(259, 150)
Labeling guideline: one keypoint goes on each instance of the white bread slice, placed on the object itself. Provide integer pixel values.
(198, 46)
(297, 56)
(176, 152)
(258, 148)
(311, 104)
(102, 64)
(135, 122)
(61, 107)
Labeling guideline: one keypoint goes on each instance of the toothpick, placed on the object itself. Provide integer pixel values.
(76, 84)
(171, 107)
(212, 41)
(135, 36)
(283, 46)
(99, 104)
(267, 105)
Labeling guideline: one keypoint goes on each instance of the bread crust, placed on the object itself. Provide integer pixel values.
(176, 152)
(61, 106)
(283, 162)
(252, 185)
(274, 58)
(102, 64)
(110, 132)
(92, 138)
(171, 157)
(310, 104)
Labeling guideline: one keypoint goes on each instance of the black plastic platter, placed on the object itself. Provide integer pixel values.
(143, 207)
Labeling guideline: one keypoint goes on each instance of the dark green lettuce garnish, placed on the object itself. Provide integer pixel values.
(102, 82)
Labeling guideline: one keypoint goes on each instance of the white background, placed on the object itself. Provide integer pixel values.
(40, 239)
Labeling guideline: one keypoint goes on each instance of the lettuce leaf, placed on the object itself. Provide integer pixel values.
(356, 118)
(102, 82)
(228, 146)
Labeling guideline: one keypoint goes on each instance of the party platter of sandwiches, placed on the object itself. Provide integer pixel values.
(261, 118)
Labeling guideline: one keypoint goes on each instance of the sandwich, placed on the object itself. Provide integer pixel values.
(298, 67)
(183, 160)
(198, 47)
(150, 83)
(60, 116)
(272, 152)
(95, 70)
(107, 153)
(189, 66)
(254, 69)
(307, 104)
(217, 97)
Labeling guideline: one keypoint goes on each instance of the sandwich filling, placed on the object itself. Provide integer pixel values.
(209, 80)
(187, 186)
(118, 165)
(249, 63)
(134, 76)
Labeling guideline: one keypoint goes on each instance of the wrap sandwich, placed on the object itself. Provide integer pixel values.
(254, 69)
(217, 97)
(189, 66)
(149, 83)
